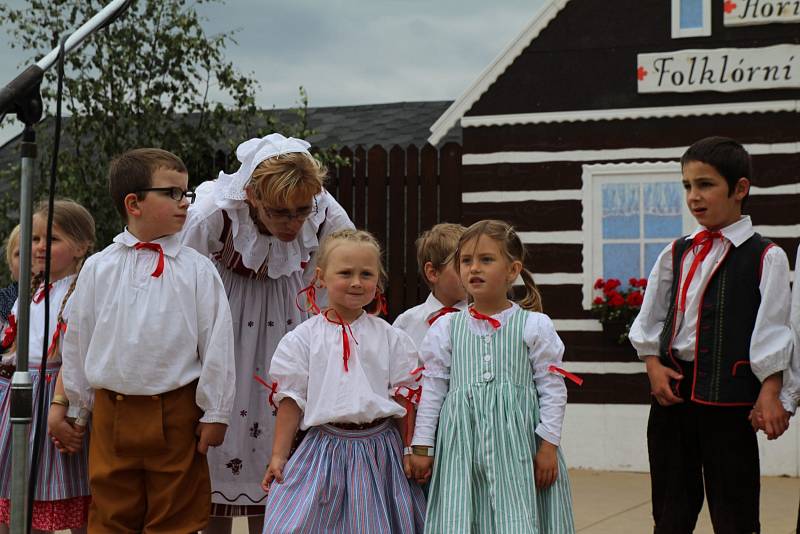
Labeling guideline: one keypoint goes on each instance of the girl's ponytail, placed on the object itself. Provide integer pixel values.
(533, 299)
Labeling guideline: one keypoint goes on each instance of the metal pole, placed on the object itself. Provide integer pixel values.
(21, 385)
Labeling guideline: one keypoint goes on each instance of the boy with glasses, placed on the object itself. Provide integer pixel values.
(149, 351)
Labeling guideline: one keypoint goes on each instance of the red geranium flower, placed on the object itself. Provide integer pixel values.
(635, 298)
(643, 282)
(598, 284)
(611, 284)
(598, 300)
(616, 300)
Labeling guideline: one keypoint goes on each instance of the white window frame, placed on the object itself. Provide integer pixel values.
(679, 33)
(594, 177)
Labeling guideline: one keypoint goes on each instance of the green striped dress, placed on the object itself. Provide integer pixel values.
(483, 477)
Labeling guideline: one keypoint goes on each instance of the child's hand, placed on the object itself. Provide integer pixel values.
(274, 472)
(421, 467)
(407, 466)
(210, 434)
(545, 465)
(660, 377)
(768, 413)
(67, 438)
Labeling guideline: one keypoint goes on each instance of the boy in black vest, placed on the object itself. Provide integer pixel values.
(714, 333)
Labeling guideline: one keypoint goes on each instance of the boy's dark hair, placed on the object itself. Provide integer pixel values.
(133, 171)
(727, 156)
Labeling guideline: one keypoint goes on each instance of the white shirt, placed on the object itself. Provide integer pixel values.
(414, 321)
(136, 334)
(790, 392)
(771, 342)
(58, 291)
(308, 366)
(545, 348)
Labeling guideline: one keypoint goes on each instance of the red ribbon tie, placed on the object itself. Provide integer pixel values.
(10, 333)
(566, 374)
(704, 240)
(345, 338)
(311, 299)
(39, 295)
(155, 247)
(491, 320)
(442, 311)
(273, 389)
(61, 328)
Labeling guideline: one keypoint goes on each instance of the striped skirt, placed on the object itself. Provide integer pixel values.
(60, 476)
(346, 481)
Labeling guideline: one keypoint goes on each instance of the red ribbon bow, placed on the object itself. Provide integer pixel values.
(442, 311)
(10, 333)
(311, 299)
(39, 295)
(566, 374)
(418, 373)
(383, 305)
(155, 247)
(491, 320)
(704, 240)
(61, 328)
(345, 338)
(273, 389)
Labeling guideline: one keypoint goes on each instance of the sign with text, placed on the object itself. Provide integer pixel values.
(752, 12)
(720, 69)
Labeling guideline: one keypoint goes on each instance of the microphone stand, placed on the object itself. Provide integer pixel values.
(22, 96)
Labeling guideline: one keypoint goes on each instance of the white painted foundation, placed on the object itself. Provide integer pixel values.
(613, 437)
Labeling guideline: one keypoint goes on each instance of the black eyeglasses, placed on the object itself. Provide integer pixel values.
(175, 193)
(285, 216)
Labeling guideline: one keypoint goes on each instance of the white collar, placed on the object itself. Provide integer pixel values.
(737, 233)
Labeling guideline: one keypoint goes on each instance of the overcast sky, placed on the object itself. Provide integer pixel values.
(348, 52)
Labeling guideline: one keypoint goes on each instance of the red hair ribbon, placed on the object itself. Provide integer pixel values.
(273, 389)
(491, 320)
(311, 299)
(704, 240)
(39, 295)
(155, 247)
(345, 338)
(566, 374)
(10, 333)
(418, 372)
(442, 311)
(61, 328)
(381, 306)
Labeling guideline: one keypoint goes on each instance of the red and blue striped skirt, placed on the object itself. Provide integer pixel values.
(345, 481)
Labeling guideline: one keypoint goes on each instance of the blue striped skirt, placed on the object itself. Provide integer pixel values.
(60, 476)
(346, 481)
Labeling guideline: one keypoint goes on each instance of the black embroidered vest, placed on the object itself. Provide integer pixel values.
(727, 314)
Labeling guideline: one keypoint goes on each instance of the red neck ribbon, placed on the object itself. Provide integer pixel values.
(442, 311)
(39, 295)
(702, 241)
(345, 337)
(311, 299)
(491, 320)
(155, 247)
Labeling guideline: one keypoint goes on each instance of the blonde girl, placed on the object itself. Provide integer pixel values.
(335, 376)
(261, 226)
(493, 387)
(61, 498)
(8, 295)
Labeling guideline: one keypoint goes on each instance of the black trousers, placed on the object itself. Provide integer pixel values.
(693, 448)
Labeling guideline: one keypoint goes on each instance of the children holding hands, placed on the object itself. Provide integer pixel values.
(492, 386)
(714, 333)
(335, 375)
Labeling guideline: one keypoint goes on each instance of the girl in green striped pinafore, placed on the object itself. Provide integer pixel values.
(493, 385)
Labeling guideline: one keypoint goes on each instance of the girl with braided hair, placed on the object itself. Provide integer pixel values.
(61, 498)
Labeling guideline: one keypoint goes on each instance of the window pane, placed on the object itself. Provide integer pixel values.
(651, 252)
(621, 261)
(691, 14)
(662, 209)
(620, 211)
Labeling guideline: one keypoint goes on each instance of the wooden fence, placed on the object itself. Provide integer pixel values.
(396, 195)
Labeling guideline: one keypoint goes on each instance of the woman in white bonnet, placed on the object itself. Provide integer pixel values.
(261, 226)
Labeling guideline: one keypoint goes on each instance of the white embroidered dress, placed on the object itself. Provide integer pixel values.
(262, 277)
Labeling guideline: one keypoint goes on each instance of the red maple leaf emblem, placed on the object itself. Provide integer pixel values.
(641, 72)
(729, 6)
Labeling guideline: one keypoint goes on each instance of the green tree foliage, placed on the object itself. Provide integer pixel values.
(143, 81)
